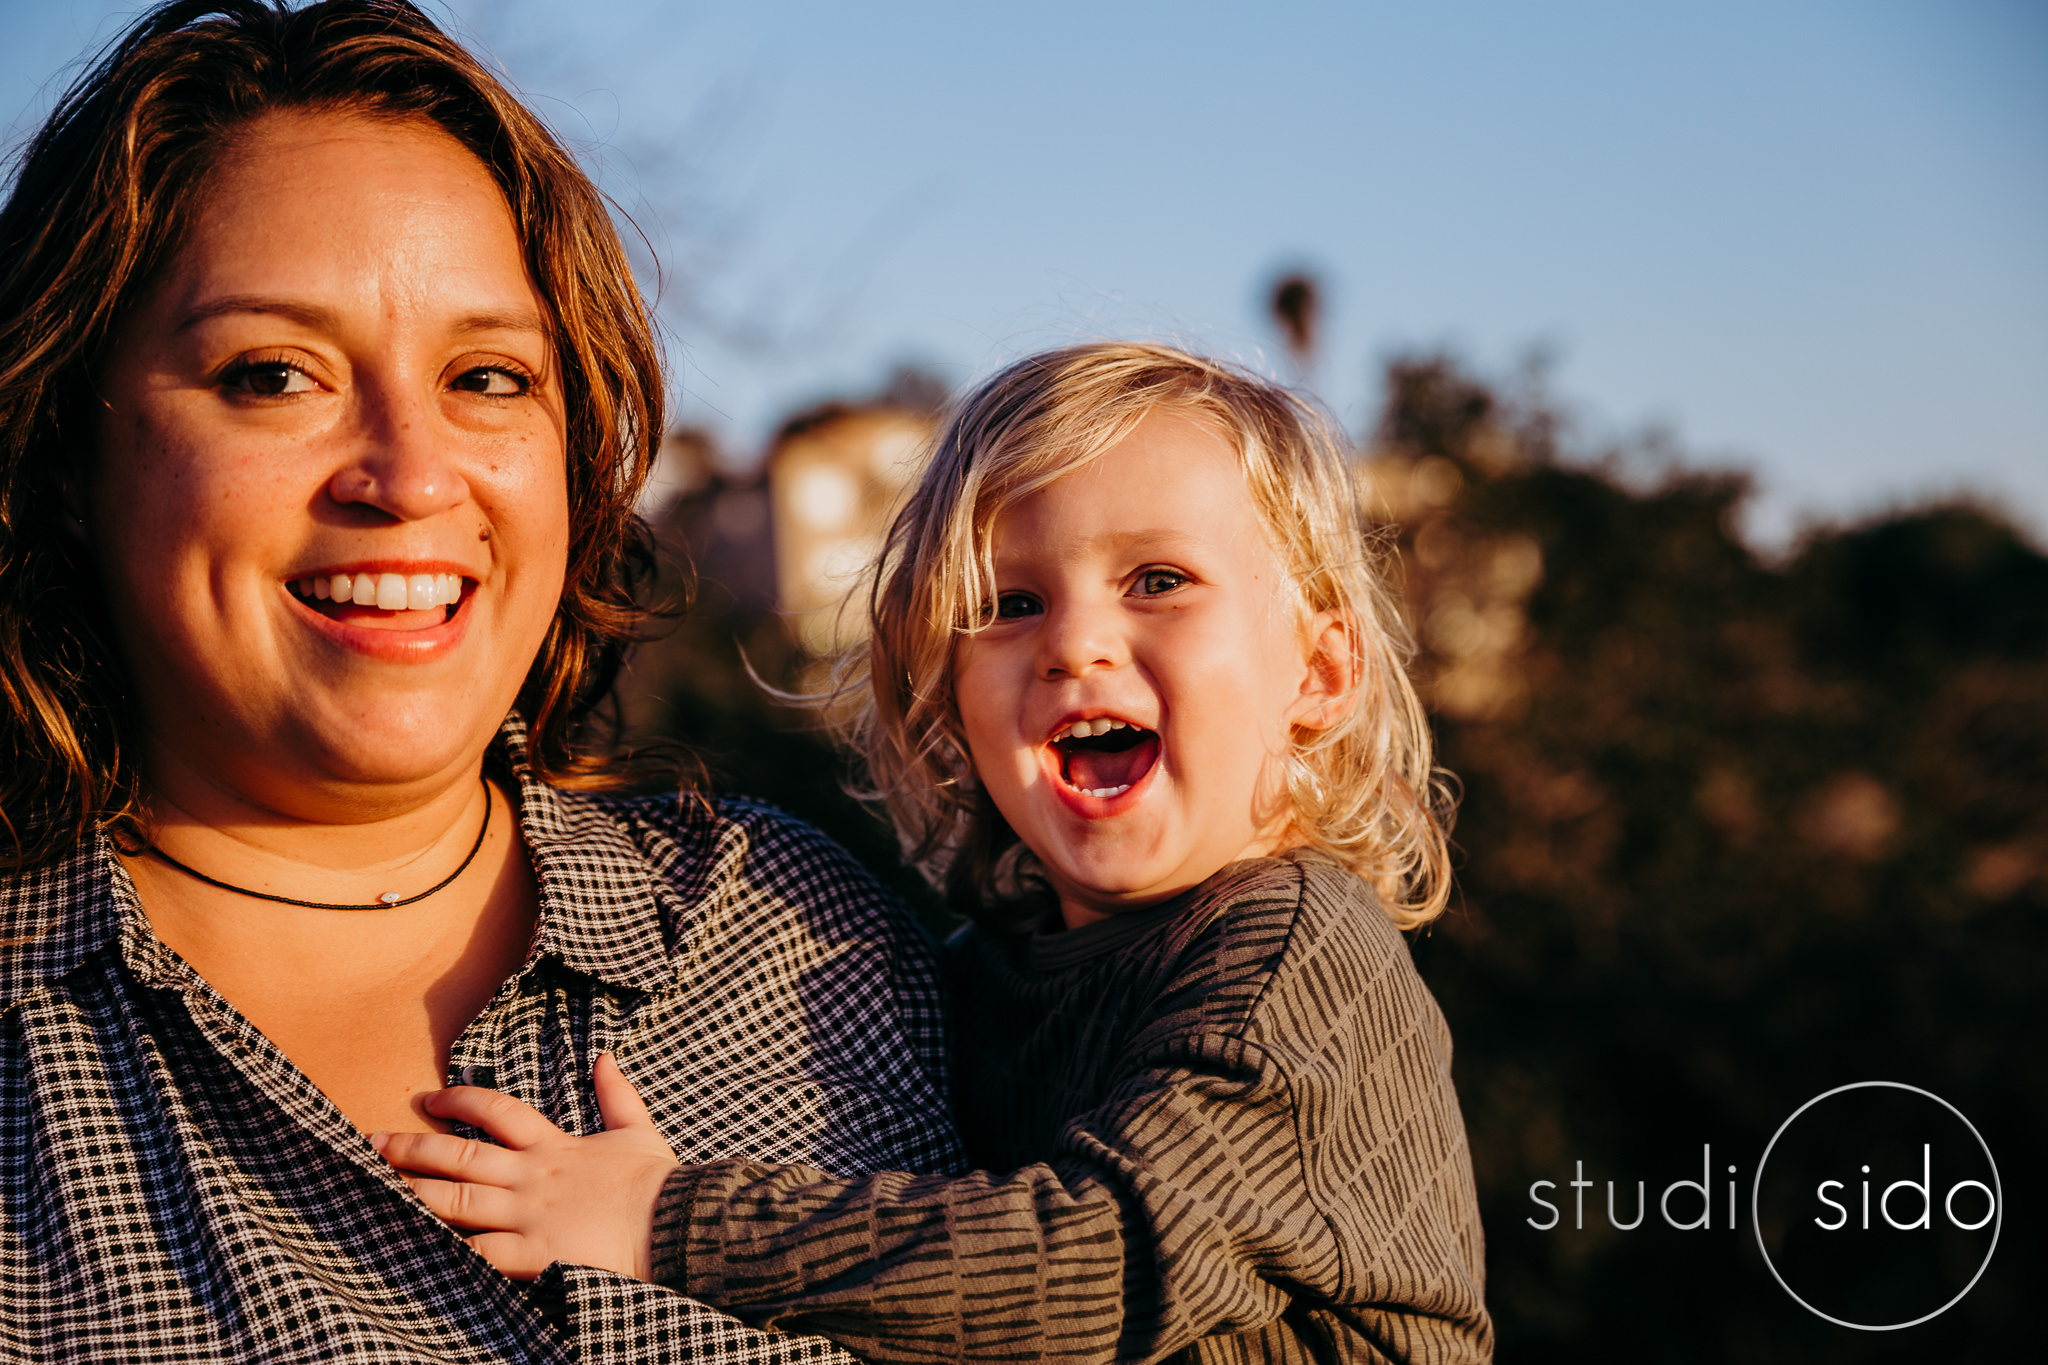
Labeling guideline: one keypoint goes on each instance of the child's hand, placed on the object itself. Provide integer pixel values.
(544, 1196)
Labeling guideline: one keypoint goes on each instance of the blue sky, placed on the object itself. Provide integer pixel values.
(1810, 239)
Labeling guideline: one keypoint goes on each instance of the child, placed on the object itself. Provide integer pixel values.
(1135, 697)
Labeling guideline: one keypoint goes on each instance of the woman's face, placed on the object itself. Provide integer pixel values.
(344, 374)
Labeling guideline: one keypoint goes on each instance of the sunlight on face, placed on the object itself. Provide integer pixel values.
(329, 501)
(1130, 702)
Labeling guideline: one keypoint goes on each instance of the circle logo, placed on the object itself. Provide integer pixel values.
(1877, 1205)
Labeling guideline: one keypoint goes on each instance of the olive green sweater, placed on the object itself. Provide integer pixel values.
(1221, 1129)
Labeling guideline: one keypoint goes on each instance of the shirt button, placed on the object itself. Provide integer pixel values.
(484, 1076)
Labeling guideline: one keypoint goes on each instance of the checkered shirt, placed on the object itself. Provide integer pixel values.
(172, 1188)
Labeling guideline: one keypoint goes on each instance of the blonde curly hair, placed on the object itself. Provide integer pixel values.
(1365, 790)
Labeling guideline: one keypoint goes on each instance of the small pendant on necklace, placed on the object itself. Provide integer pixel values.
(391, 898)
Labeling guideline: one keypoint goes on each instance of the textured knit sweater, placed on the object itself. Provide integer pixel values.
(1221, 1129)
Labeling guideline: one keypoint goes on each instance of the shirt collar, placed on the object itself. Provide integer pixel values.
(603, 912)
(55, 917)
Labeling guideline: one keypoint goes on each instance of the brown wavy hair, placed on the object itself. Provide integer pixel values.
(101, 198)
(1366, 791)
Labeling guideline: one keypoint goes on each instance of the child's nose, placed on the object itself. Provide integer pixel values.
(1080, 639)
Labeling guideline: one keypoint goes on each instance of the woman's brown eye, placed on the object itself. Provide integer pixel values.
(268, 379)
(492, 382)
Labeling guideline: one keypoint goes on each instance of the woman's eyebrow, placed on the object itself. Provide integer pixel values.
(505, 320)
(311, 315)
(315, 316)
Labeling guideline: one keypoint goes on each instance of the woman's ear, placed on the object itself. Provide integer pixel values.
(1329, 685)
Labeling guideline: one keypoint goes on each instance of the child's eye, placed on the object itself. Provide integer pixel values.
(492, 381)
(1153, 582)
(1011, 605)
(266, 379)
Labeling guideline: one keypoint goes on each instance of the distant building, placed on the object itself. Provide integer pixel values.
(717, 521)
(764, 552)
(836, 475)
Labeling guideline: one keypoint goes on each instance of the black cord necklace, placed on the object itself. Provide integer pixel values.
(390, 900)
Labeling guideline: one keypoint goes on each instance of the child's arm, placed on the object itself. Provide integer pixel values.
(931, 1274)
(1150, 1234)
(543, 1196)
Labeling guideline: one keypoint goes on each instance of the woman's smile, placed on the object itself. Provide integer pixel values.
(369, 595)
(398, 613)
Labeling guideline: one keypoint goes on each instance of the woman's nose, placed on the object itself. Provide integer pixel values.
(1081, 638)
(404, 462)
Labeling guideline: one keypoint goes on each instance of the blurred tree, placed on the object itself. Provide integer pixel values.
(1296, 305)
(1733, 834)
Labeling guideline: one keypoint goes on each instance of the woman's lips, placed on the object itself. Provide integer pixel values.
(401, 634)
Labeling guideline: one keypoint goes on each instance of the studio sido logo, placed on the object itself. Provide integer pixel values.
(1876, 1205)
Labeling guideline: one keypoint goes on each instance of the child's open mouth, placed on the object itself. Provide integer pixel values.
(1105, 757)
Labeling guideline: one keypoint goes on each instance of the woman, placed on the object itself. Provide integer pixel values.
(326, 397)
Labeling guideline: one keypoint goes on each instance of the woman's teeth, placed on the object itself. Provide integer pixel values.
(384, 591)
(1105, 792)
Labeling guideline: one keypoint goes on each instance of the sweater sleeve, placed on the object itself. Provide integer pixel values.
(1248, 1182)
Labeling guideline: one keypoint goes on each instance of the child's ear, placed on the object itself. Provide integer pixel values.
(1329, 683)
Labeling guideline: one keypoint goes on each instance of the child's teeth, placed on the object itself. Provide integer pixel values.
(1102, 725)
